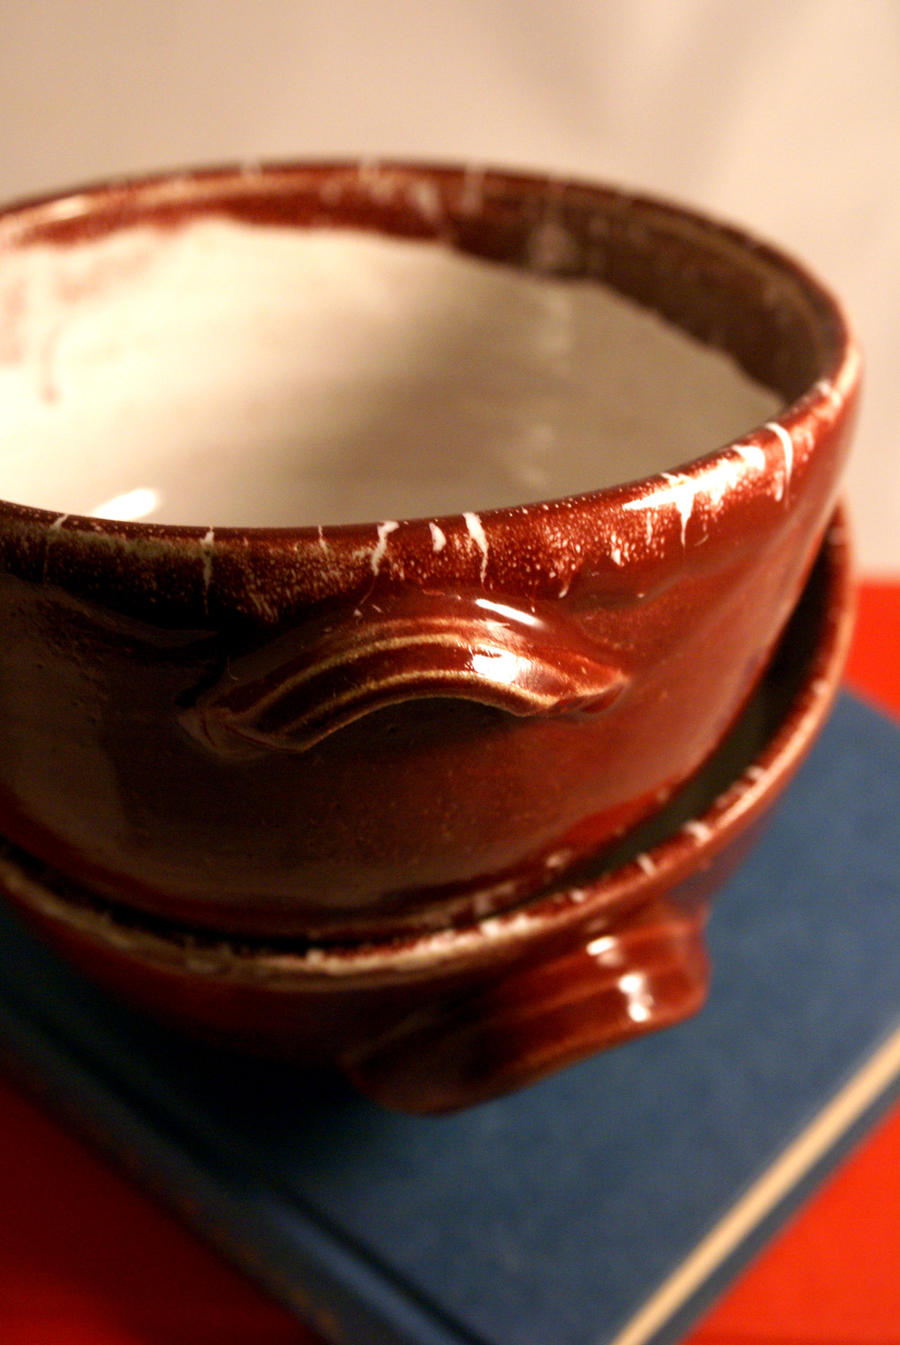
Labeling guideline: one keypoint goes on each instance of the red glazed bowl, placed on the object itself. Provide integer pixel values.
(354, 730)
(445, 1019)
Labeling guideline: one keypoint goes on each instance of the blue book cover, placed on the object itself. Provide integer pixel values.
(607, 1205)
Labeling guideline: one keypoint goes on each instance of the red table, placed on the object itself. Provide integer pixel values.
(85, 1259)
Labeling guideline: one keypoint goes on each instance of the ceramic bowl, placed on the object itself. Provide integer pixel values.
(413, 651)
(446, 1019)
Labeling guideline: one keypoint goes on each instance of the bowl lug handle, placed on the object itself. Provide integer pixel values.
(290, 694)
(647, 973)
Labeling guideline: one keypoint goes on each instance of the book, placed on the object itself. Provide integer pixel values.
(607, 1205)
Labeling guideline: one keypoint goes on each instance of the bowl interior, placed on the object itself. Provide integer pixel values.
(393, 354)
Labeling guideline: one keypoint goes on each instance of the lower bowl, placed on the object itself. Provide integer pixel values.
(442, 1020)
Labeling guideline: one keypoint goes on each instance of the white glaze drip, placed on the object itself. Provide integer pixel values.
(207, 542)
(476, 532)
(378, 551)
(783, 481)
(698, 831)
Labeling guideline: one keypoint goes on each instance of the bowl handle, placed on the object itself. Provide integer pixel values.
(295, 691)
(647, 972)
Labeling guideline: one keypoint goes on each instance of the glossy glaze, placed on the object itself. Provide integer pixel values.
(341, 732)
(447, 1019)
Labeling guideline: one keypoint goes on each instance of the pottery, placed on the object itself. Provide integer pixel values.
(350, 730)
(446, 1019)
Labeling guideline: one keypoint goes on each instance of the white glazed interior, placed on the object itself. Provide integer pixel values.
(228, 374)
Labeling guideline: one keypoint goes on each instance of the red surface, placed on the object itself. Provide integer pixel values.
(87, 1260)
(833, 1276)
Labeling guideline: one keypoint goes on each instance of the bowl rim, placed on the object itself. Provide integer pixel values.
(725, 471)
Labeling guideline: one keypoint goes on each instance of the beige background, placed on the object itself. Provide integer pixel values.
(783, 115)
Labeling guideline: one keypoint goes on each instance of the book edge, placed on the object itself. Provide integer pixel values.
(848, 1111)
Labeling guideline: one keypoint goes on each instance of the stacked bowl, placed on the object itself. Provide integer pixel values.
(418, 584)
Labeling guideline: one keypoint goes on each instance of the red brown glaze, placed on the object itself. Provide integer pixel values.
(298, 689)
(353, 783)
(444, 1020)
